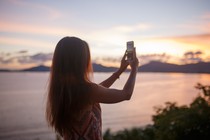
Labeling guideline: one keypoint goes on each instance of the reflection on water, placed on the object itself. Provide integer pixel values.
(22, 101)
(152, 89)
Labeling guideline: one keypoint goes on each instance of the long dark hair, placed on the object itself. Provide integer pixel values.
(69, 83)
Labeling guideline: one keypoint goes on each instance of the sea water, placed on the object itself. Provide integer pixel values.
(23, 99)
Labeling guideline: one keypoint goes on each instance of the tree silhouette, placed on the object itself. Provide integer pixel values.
(174, 122)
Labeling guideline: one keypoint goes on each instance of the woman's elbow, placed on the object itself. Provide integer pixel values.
(128, 96)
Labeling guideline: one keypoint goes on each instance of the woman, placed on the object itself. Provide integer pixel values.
(73, 108)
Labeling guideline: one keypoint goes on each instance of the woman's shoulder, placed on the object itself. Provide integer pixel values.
(93, 91)
(93, 87)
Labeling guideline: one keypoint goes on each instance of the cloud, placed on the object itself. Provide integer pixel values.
(143, 59)
(186, 58)
(202, 26)
(22, 51)
(116, 35)
(154, 57)
(133, 28)
(192, 57)
(112, 35)
(23, 59)
(202, 39)
(196, 42)
(16, 41)
(33, 29)
(37, 59)
(41, 57)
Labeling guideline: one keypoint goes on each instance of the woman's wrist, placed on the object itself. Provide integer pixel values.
(134, 69)
(117, 76)
(117, 73)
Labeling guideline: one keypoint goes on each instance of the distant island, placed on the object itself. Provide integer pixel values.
(153, 66)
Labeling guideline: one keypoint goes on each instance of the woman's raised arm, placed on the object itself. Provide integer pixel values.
(109, 81)
(102, 94)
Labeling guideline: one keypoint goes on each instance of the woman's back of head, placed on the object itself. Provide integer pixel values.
(69, 82)
(72, 57)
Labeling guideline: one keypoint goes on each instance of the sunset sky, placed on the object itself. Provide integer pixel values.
(161, 29)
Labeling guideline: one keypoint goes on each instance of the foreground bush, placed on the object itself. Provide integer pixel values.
(174, 122)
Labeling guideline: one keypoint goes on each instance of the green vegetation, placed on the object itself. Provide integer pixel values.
(174, 122)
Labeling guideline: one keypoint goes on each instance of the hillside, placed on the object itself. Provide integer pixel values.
(96, 68)
(153, 66)
(38, 68)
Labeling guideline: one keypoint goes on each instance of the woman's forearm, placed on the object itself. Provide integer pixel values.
(108, 82)
(129, 85)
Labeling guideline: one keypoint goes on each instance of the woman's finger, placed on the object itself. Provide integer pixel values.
(134, 52)
(123, 58)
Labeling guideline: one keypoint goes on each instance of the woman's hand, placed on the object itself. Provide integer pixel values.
(124, 63)
(108, 82)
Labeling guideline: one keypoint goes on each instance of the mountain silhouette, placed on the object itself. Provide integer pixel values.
(101, 68)
(153, 66)
(38, 68)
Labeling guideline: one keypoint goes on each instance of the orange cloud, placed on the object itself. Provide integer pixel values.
(202, 39)
(34, 29)
(24, 42)
(199, 42)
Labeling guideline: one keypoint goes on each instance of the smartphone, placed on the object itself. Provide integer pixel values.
(129, 50)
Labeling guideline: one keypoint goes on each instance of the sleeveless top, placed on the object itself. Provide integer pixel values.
(88, 126)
